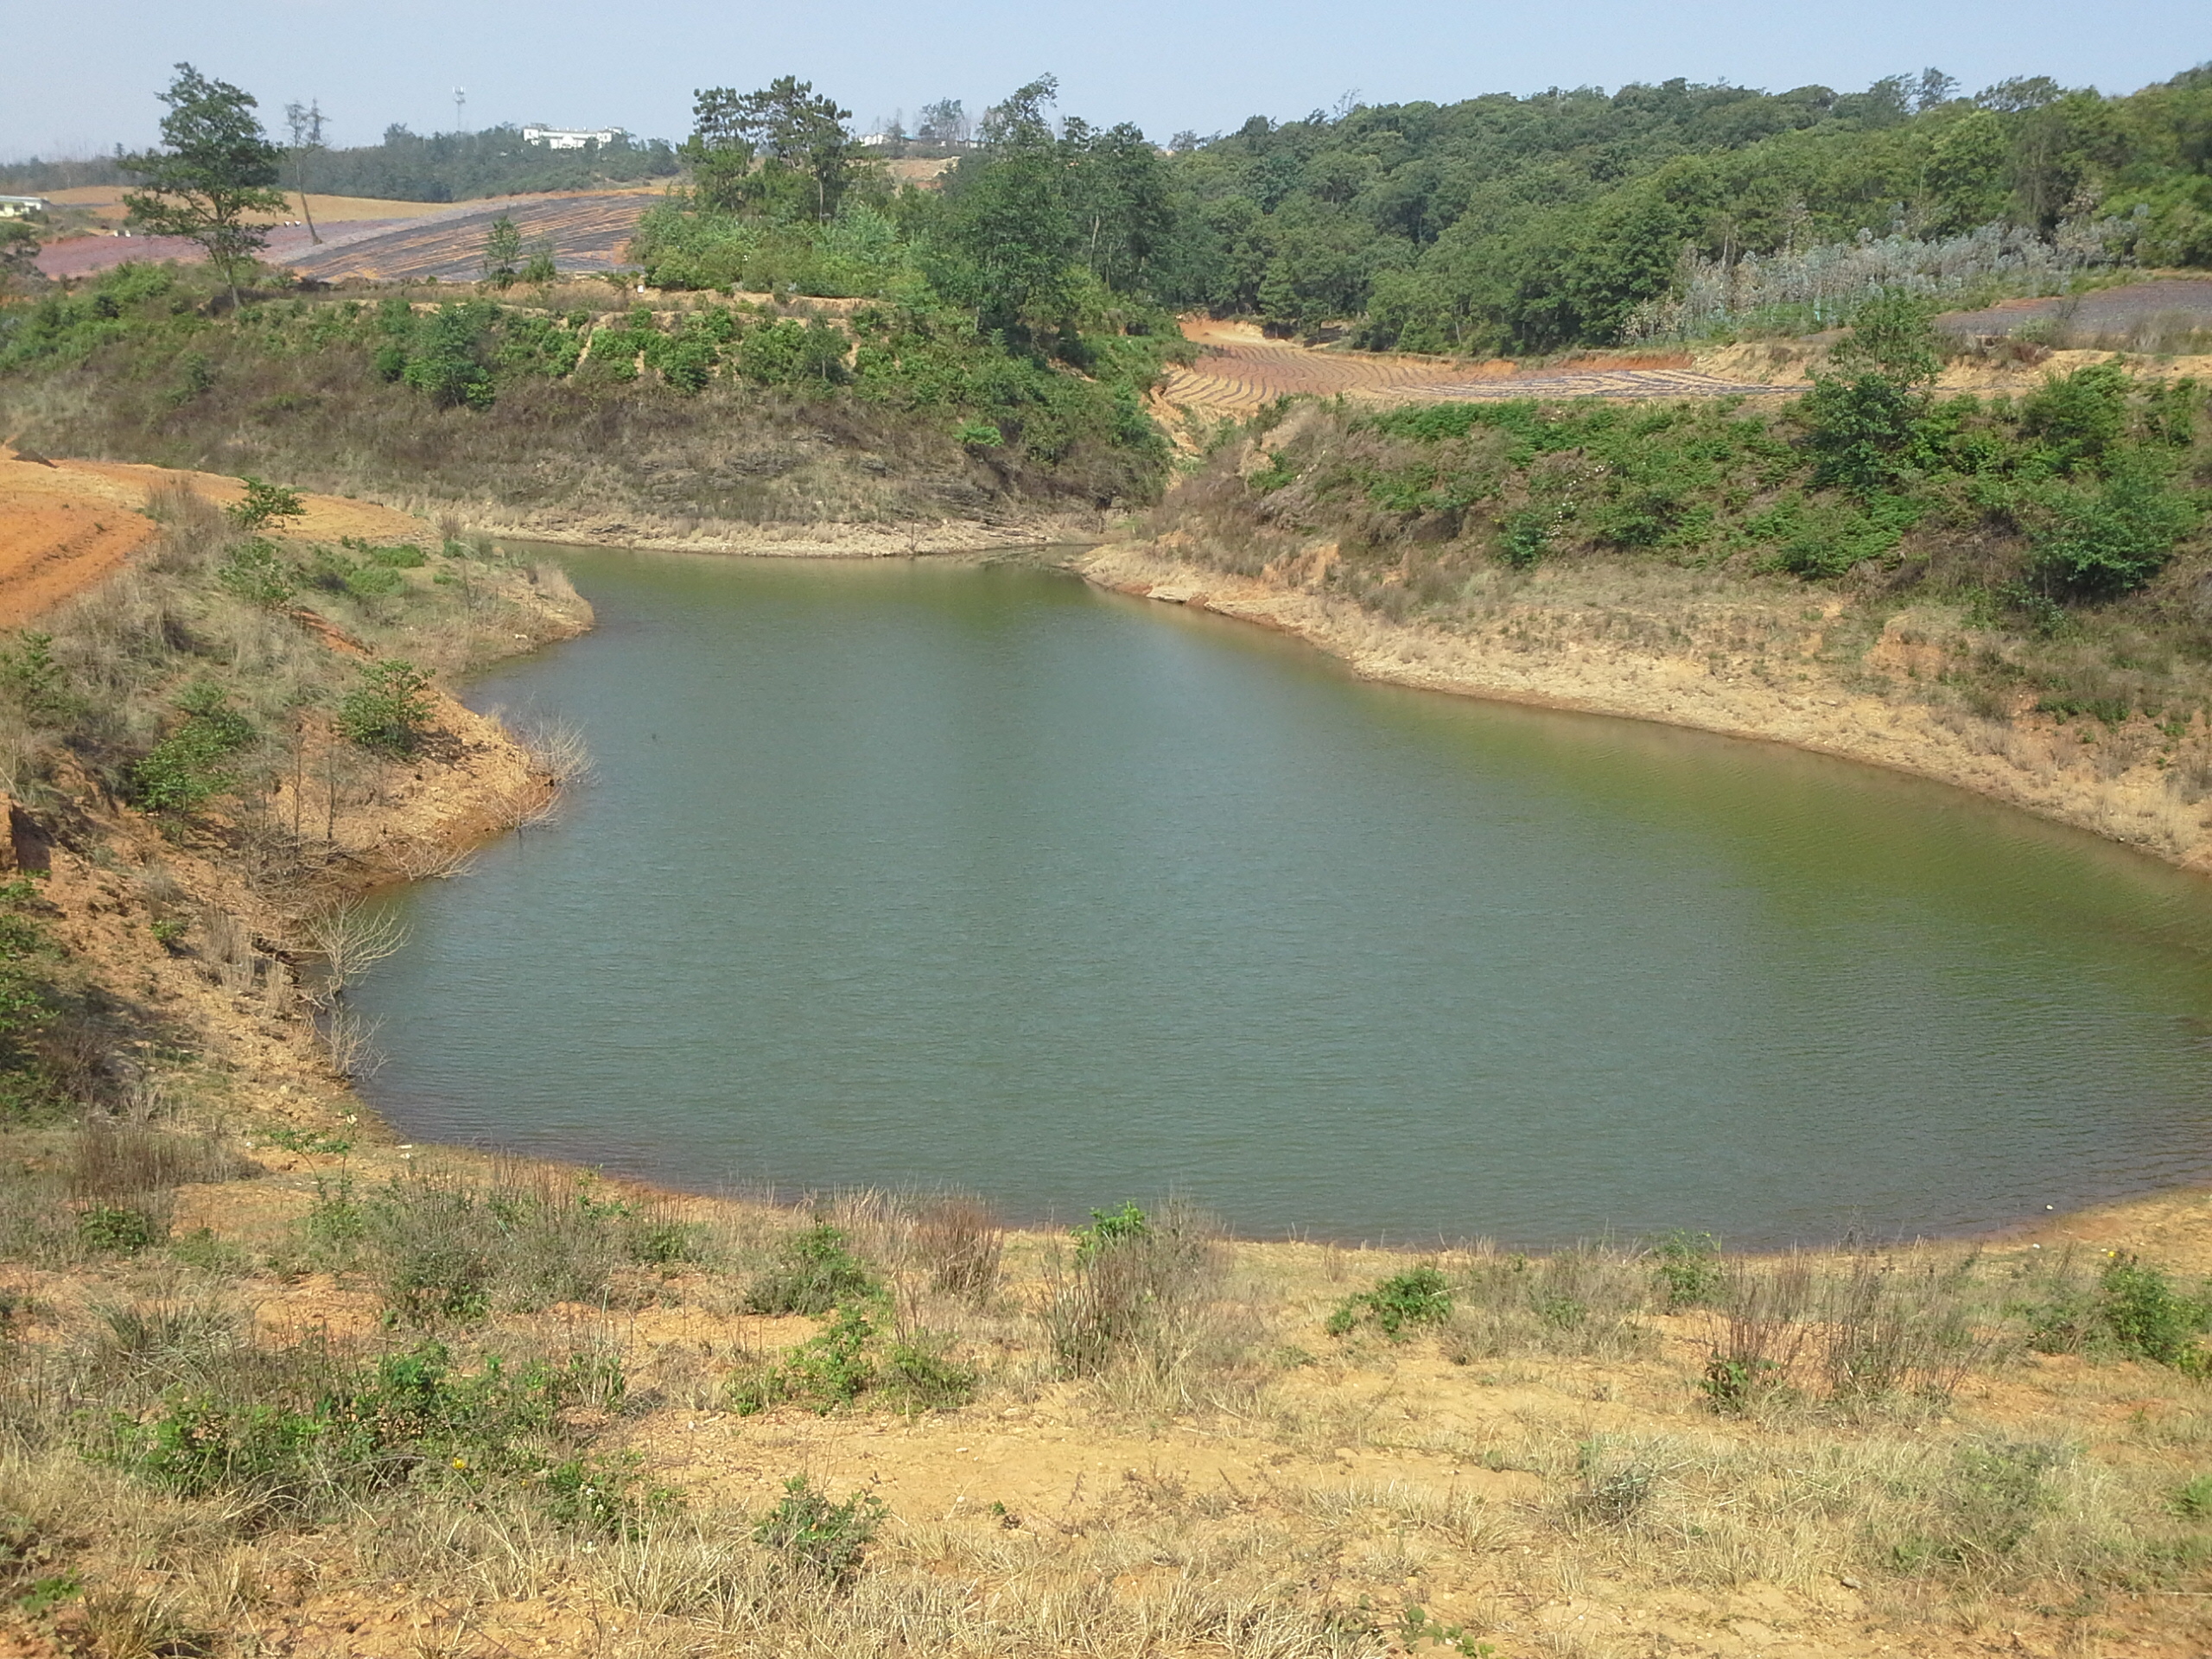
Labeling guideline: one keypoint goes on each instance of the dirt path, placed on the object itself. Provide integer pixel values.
(65, 525)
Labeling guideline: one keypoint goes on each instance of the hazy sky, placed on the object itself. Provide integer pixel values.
(84, 72)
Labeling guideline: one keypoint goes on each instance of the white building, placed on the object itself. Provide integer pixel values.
(571, 138)
(24, 206)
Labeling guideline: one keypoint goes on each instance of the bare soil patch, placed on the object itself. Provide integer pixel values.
(65, 525)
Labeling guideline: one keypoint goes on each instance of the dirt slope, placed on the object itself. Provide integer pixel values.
(64, 525)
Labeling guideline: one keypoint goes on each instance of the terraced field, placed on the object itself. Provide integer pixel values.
(586, 234)
(1238, 374)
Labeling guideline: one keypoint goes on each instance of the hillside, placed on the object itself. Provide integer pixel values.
(549, 410)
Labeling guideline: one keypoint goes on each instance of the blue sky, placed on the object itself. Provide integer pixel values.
(83, 74)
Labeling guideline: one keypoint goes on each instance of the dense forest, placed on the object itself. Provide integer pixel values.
(1530, 223)
(1499, 223)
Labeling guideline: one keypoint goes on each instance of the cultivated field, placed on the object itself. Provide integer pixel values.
(1240, 371)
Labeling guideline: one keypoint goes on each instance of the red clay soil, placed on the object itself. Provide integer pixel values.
(65, 525)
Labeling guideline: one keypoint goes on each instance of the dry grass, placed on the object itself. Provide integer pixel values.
(1203, 1500)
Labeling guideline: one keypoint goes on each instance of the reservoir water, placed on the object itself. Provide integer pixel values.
(909, 873)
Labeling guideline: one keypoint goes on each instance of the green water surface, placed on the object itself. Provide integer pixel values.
(919, 874)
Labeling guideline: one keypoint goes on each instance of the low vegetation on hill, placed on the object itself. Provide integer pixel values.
(743, 411)
(2068, 522)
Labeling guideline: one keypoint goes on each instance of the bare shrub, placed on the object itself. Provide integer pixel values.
(1140, 1303)
(194, 526)
(352, 938)
(349, 1043)
(443, 1246)
(427, 861)
(125, 1161)
(557, 749)
(229, 948)
(1890, 1330)
(1761, 1335)
(1575, 1302)
(960, 1242)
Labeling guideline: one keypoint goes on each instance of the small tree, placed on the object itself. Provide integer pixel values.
(1866, 411)
(217, 167)
(502, 252)
(800, 139)
(389, 712)
(264, 504)
(305, 120)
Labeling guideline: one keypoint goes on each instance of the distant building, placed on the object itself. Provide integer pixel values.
(24, 206)
(571, 138)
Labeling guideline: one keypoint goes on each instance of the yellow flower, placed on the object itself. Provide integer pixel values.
(461, 1462)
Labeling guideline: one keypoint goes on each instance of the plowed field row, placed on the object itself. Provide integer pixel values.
(586, 233)
(1236, 377)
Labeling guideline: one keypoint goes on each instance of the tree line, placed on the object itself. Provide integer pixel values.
(1498, 224)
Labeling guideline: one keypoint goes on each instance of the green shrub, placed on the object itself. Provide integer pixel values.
(1611, 1496)
(825, 1371)
(292, 1432)
(813, 1273)
(2094, 544)
(1688, 1268)
(311, 1140)
(1733, 1385)
(2150, 1319)
(1134, 1283)
(256, 572)
(1821, 538)
(825, 1540)
(118, 1230)
(1523, 538)
(1995, 1493)
(39, 683)
(2134, 1311)
(374, 581)
(607, 1495)
(2192, 1500)
(389, 712)
(201, 1250)
(2075, 420)
(919, 1373)
(335, 1225)
(1418, 1296)
(1109, 1227)
(846, 1361)
(403, 555)
(185, 770)
(446, 356)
